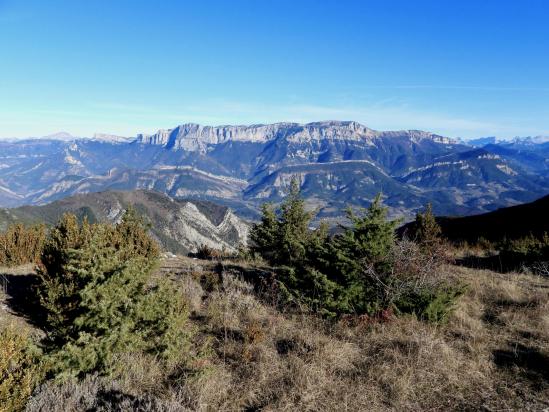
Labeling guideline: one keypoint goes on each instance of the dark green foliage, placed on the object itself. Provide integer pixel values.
(430, 304)
(293, 228)
(524, 251)
(58, 272)
(309, 286)
(362, 270)
(101, 301)
(371, 236)
(364, 248)
(264, 235)
(287, 241)
(20, 244)
(283, 240)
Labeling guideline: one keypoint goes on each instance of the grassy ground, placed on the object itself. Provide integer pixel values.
(492, 355)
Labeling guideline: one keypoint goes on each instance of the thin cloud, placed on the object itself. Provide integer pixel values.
(457, 87)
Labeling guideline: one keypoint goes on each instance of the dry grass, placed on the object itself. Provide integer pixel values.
(269, 361)
(493, 354)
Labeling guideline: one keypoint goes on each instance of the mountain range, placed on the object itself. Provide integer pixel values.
(337, 163)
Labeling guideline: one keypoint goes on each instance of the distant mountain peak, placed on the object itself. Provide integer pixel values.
(65, 136)
(531, 140)
(482, 141)
(105, 137)
(525, 140)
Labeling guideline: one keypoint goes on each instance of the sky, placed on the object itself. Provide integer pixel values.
(459, 68)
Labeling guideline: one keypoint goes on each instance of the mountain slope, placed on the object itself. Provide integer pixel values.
(329, 187)
(477, 178)
(181, 226)
(510, 222)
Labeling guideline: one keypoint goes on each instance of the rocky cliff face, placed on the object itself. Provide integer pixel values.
(180, 226)
(194, 137)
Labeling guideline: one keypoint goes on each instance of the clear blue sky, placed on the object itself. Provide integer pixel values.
(460, 68)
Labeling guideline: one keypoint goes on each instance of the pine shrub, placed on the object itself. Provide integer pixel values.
(361, 258)
(527, 249)
(264, 235)
(20, 369)
(427, 231)
(21, 244)
(530, 253)
(101, 301)
(432, 304)
(293, 228)
(363, 270)
(310, 287)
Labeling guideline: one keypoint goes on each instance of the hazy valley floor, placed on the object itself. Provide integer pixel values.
(493, 354)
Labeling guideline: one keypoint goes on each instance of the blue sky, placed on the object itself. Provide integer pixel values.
(459, 68)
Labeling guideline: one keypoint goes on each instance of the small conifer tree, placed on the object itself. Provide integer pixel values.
(100, 298)
(60, 274)
(366, 244)
(264, 235)
(282, 240)
(371, 236)
(294, 231)
(427, 230)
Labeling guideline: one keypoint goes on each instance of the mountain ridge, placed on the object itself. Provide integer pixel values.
(174, 138)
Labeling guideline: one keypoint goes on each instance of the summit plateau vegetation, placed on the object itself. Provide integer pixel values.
(368, 315)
